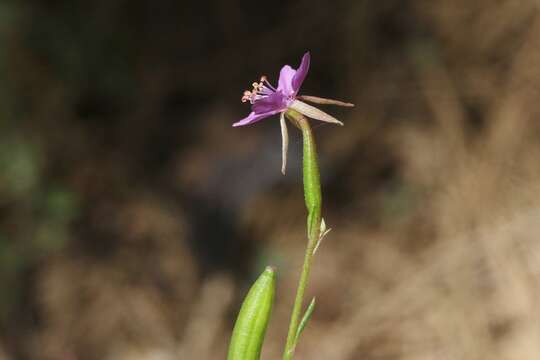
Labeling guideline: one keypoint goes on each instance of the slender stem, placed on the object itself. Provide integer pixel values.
(299, 299)
(312, 194)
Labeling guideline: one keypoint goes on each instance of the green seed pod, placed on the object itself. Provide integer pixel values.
(312, 182)
(250, 328)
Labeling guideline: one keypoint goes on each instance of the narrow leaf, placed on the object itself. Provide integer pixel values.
(305, 319)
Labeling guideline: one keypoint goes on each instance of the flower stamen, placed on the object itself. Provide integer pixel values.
(260, 90)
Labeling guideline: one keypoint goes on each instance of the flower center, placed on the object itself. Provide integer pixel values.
(260, 90)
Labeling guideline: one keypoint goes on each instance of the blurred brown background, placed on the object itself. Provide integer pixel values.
(133, 217)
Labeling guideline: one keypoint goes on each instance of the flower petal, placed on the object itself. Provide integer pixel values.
(273, 102)
(286, 76)
(313, 112)
(284, 142)
(253, 117)
(301, 73)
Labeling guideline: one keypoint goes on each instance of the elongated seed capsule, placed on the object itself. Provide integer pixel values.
(312, 182)
(250, 328)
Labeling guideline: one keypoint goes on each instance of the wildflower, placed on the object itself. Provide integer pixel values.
(266, 100)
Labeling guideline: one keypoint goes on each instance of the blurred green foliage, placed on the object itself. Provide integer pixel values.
(35, 210)
(56, 56)
(20, 168)
(37, 222)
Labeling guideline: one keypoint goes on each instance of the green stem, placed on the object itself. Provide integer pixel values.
(312, 195)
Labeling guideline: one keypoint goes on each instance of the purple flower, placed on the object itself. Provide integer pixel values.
(266, 100)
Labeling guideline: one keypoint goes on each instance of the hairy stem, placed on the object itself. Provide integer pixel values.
(312, 195)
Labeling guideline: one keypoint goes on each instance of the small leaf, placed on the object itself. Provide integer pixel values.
(322, 234)
(250, 328)
(305, 319)
(323, 226)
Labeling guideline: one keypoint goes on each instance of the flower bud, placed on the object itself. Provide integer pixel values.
(250, 328)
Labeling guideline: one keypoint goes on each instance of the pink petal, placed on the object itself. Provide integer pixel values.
(301, 73)
(253, 117)
(286, 76)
